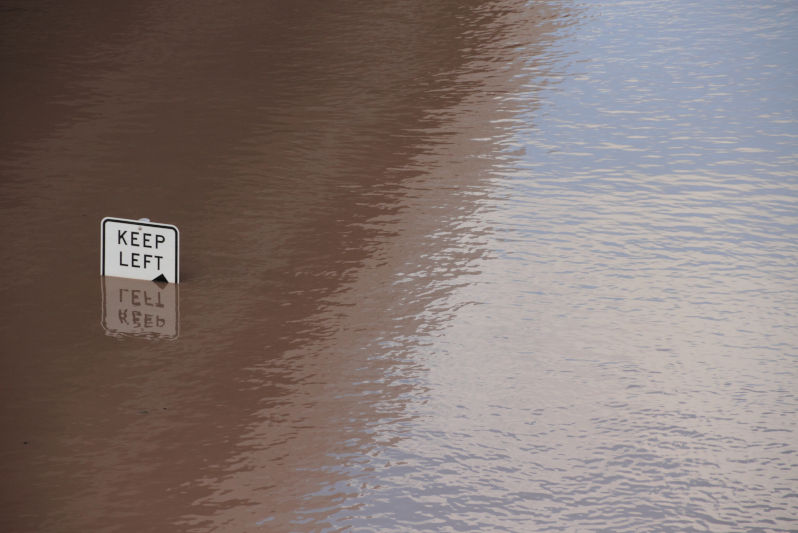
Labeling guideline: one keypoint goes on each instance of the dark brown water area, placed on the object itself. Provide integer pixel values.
(445, 266)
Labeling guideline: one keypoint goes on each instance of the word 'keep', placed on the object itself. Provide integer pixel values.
(142, 239)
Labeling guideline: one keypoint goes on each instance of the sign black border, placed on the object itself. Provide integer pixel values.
(140, 223)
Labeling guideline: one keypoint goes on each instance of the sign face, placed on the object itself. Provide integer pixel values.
(139, 249)
(138, 308)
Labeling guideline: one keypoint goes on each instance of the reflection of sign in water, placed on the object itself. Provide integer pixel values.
(140, 308)
(139, 249)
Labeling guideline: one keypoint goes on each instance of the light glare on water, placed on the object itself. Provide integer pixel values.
(451, 266)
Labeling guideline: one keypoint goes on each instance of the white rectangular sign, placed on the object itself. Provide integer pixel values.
(139, 249)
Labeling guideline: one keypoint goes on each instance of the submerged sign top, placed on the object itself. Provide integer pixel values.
(139, 249)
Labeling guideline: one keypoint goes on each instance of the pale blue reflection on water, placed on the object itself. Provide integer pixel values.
(622, 355)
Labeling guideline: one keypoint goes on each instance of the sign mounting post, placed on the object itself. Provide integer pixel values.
(139, 249)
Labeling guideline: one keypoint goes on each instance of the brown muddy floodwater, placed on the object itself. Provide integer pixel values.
(446, 266)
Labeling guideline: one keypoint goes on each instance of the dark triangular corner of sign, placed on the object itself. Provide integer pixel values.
(161, 280)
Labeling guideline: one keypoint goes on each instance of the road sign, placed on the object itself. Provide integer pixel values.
(139, 249)
(140, 308)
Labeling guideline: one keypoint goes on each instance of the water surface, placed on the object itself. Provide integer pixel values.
(450, 266)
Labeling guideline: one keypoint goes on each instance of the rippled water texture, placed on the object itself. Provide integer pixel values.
(446, 266)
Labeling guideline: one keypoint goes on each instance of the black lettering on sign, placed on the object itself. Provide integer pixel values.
(133, 238)
(159, 239)
(140, 260)
(120, 238)
(123, 316)
(146, 240)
